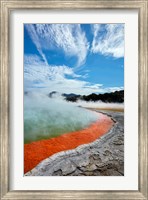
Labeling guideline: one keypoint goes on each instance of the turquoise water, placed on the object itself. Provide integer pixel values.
(47, 118)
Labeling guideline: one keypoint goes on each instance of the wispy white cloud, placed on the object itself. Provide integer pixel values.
(108, 39)
(67, 37)
(35, 69)
(38, 74)
(36, 40)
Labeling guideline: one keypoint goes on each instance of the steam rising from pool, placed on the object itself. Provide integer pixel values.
(45, 117)
(100, 104)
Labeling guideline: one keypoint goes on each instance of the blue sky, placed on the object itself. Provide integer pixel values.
(74, 58)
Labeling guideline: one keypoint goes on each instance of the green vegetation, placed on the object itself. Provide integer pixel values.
(113, 97)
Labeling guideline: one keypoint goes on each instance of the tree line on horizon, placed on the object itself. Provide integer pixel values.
(112, 97)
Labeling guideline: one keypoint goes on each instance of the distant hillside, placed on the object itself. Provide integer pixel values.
(113, 97)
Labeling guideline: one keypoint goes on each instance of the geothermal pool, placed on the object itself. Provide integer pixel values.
(52, 125)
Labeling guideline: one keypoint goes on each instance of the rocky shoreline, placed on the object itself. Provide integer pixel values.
(103, 157)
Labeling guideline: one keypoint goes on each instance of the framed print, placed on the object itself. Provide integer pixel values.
(74, 99)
